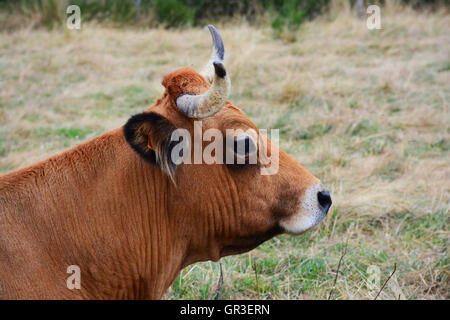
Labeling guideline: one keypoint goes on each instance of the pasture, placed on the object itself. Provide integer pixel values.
(365, 110)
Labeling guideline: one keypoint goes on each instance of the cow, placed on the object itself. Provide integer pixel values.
(130, 217)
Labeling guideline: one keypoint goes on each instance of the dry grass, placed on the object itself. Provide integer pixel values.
(367, 111)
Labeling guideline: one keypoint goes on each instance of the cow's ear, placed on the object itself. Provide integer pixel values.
(149, 134)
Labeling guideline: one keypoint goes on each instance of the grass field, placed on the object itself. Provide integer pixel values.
(366, 111)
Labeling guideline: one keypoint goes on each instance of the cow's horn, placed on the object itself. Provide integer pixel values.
(208, 103)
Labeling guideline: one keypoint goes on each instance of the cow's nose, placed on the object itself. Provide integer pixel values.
(324, 200)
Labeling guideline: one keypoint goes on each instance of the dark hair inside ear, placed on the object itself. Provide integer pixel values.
(151, 129)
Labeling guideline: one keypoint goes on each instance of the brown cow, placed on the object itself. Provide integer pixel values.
(131, 218)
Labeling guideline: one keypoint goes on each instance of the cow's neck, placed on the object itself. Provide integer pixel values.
(106, 209)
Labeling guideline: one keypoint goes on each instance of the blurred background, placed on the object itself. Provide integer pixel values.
(365, 110)
(178, 13)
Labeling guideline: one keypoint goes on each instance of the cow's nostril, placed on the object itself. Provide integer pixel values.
(324, 200)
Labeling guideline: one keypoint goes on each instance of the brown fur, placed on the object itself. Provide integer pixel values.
(129, 228)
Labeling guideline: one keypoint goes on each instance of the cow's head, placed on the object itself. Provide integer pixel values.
(222, 208)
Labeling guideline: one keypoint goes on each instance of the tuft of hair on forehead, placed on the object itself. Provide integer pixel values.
(184, 81)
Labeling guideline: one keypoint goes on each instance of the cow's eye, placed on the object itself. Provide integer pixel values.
(244, 146)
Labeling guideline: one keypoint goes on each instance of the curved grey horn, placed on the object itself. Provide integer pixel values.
(208, 103)
(217, 54)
